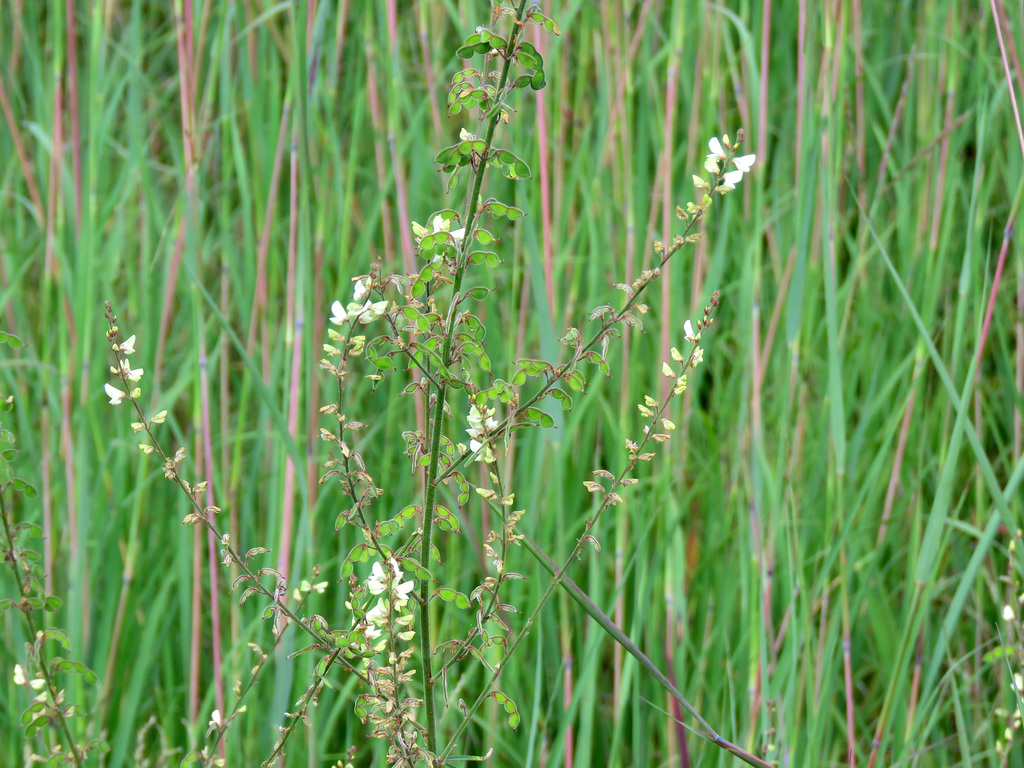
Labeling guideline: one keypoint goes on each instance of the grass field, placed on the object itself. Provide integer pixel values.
(824, 560)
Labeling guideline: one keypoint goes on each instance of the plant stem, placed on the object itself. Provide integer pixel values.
(430, 492)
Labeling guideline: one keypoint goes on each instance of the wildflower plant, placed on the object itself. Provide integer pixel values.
(49, 719)
(1009, 655)
(426, 327)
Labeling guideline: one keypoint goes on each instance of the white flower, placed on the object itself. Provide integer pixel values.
(717, 151)
(698, 357)
(1008, 613)
(744, 163)
(363, 313)
(127, 346)
(402, 592)
(718, 154)
(369, 312)
(731, 179)
(381, 578)
(340, 315)
(132, 374)
(116, 395)
(216, 721)
(481, 423)
(19, 675)
(378, 617)
(361, 289)
(378, 581)
(688, 330)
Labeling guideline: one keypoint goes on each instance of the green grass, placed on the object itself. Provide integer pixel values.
(817, 558)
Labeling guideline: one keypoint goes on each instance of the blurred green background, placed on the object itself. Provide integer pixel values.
(819, 558)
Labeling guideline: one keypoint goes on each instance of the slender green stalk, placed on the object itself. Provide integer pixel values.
(437, 419)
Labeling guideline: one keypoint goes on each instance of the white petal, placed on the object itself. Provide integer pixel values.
(128, 345)
(716, 147)
(731, 179)
(743, 163)
(116, 395)
(340, 315)
(361, 289)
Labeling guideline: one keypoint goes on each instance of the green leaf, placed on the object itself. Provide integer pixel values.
(464, 75)
(528, 57)
(360, 553)
(563, 397)
(509, 706)
(538, 416)
(538, 81)
(533, 367)
(53, 633)
(448, 595)
(468, 47)
(445, 520)
(469, 146)
(539, 18)
(35, 726)
(11, 340)
(490, 258)
(29, 714)
(445, 155)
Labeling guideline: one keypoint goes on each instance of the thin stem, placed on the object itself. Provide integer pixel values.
(44, 666)
(430, 492)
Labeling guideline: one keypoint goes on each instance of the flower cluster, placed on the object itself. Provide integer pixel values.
(386, 580)
(360, 309)
(720, 154)
(1012, 658)
(481, 424)
(123, 369)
